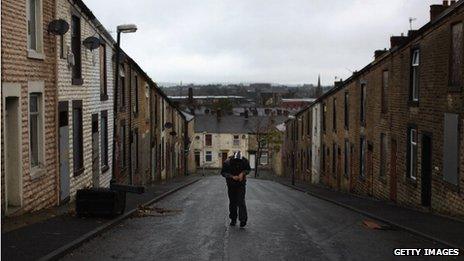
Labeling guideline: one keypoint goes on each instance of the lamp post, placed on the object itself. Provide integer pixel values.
(127, 28)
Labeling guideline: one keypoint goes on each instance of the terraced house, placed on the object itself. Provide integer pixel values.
(28, 153)
(58, 119)
(394, 129)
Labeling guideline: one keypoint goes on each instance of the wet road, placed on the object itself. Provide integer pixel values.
(283, 224)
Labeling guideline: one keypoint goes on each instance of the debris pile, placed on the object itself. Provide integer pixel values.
(152, 211)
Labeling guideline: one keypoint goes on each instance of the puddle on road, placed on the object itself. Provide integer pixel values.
(153, 211)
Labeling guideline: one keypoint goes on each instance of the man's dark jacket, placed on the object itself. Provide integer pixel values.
(233, 167)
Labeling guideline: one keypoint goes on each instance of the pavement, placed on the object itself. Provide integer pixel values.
(442, 229)
(50, 235)
(283, 224)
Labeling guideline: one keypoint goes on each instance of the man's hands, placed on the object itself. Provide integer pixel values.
(240, 177)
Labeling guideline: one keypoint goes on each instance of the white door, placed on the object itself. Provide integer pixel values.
(13, 165)
(253, 161)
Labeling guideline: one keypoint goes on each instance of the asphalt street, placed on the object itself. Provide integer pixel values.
(283, 224)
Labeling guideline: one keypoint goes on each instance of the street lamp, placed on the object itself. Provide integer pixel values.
(125, 28)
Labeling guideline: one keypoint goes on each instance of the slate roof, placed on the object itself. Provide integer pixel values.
(233, 123)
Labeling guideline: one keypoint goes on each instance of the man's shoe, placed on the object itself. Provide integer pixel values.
(233, 223)
(242, 223)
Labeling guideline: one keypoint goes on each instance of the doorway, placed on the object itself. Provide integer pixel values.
(95, 152)
(197, 158)
(393, 178)
(252, 161)
(63, 150)
(12, 154)
(426, 178)
(224, 156)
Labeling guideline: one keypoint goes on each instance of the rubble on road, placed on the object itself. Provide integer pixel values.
(152, 211)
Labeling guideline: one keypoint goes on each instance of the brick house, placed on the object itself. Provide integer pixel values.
(393, 130)
(85, 95)
(29, 158)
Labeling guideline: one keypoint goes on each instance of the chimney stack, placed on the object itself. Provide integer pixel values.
(436, 10)
(397, 41)
(379, 53)
(338, 83)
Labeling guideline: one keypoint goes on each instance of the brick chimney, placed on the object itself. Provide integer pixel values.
(436, 10)
(379, 53)
(338, 83)
(397, 40)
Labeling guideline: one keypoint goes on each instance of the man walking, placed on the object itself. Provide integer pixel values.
(235, 169)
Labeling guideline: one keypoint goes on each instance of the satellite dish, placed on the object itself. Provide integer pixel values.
(92, 42)
(58, 27)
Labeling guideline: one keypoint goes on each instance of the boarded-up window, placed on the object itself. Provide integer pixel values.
(450, 148)
(362, 156)
(103, 89)
(383, 154)
(208, 140)
(363, 104)
(324, 110)
(384, 91)
(412, 153)
(334, 115)
(347, 158)
(347, 115)
(457, 53)
(78, 146)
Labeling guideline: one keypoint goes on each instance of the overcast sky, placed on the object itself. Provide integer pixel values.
(279, 41)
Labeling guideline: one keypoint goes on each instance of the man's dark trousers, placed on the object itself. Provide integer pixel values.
(237, 201)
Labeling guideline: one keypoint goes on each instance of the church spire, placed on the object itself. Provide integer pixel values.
(319, 81)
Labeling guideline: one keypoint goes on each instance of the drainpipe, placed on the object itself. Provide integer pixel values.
(115, 110)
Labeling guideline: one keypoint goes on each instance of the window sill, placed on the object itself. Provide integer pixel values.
(37, 172)
(105, 169)
(32, 54)
(411, 181)
(77, 81)
(413, 103)
(78, 172)
(450, 186)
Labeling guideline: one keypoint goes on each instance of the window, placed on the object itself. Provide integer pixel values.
(414, 89)
(122, 89)
(162, 114)
(135, 143)
(163, 146)
(346, 111)
(334, 159)
(334, 115)
(103, 75)
(347, 158)
(34, 29)
(383, 154)
(451, 148)
(412, 153)
(122, 133)
(78, 146)
(323, 157)
(209, 156)
(362, 149)
(136, 95)
(324, 110)
(457, 56)
(76, 50)
(384, 93)
(316, 120)
(308, 122)
(263, 159)
(104, 140)
(35, 129)
(208, 140)
(236, 140)
(363, 104)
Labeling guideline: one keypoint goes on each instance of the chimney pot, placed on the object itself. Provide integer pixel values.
(445, 2)
(379, 53)
(397, 40)
(452, 2)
